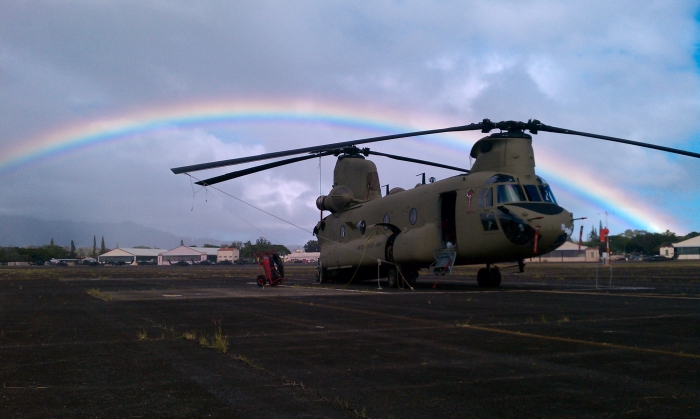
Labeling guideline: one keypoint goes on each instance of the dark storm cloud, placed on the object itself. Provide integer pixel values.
(623, 69)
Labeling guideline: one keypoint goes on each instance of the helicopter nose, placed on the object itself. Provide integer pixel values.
(553, 230)
(523, 222)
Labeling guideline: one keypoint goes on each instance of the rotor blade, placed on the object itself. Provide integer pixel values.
(408, 159)
(250, 170)
(536, 125)
(486, 124)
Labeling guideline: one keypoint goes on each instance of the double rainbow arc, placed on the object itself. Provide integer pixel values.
(562, 174)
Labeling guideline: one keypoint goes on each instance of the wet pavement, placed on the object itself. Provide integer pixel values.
(141, 342)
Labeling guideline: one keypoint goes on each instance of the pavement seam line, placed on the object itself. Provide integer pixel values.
(668, 297)
(515, 333)
(585, 342)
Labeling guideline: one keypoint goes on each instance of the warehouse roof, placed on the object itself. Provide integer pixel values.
(131, 251)
(210, 251)
(184, 251)
(571, 246)
(694, 242)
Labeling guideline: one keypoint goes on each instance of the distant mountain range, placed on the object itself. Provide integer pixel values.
(27, 231)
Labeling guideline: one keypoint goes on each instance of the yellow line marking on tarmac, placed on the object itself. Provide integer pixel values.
(505, 332)
(669, 297)
(584, 342)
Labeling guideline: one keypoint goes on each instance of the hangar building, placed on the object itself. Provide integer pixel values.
(130, 255)
(187, 254)
(211, 252)
(688, 249)
(568, 252)
(302, 257)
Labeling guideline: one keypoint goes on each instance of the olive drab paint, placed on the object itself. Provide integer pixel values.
(499, 211)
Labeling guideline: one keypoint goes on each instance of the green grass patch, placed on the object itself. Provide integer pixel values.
(95, 292)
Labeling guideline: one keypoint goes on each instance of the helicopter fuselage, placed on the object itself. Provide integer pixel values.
(499, 212)
(474, 215)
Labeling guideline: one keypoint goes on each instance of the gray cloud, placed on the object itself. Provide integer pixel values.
(622, 69)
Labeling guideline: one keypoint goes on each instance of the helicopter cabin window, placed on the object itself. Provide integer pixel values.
(386, 220)
(546, 191)
(342, 231)
(362, 226)
(510, 193)
(532, 194)
(500, 178)
(486, 198)
(413, 216)
(488, 221)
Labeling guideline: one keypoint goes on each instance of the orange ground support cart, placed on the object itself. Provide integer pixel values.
(271, 267)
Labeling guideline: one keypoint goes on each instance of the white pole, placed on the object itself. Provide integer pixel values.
(379, 264)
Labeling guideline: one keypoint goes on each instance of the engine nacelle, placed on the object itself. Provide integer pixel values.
(339, 199)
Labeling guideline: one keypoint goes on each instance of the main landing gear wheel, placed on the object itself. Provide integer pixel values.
(392, 278)
(489, 278)
(411, 277)
(261, 280)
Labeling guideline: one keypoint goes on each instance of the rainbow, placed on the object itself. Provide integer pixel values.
(561, 173)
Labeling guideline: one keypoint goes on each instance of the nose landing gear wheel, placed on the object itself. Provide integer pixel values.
(488, 278)
(495, 278)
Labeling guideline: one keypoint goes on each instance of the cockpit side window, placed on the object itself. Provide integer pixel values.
(547, 194)
(510, 193)
(486, 198)
(545, 190)
(532, 194)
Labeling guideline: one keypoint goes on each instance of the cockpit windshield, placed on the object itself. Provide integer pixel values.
(546, 191)
(499, 178)
(510, 193)
(532, 193)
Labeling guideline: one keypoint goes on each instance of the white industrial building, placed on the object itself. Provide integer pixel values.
(300, 256)
(688, 249)
(181, 253)
(667, 250)
(569, 252)
(225, 254)
(211, 252)
(131, 255)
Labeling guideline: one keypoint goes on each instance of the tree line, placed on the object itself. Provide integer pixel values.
(40, 254)
(636, 241)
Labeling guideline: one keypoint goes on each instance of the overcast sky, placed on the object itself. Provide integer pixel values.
(624, 69)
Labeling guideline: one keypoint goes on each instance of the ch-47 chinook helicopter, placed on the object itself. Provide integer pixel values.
(499, 211)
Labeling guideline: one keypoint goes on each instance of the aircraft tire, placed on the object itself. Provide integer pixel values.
(411, 277)
(483, 277)
(392, 278)
(495, 278)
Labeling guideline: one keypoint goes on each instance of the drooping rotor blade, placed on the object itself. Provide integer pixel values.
(325, 147)
(538, 126)
(250, 170)
(408, 159)
(485, 126)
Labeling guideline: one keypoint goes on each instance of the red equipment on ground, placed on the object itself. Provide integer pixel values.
(271, 267)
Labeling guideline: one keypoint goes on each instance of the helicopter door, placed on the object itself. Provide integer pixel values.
(448, 227)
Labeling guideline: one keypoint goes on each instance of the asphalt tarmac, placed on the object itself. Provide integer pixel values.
(132, 342)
